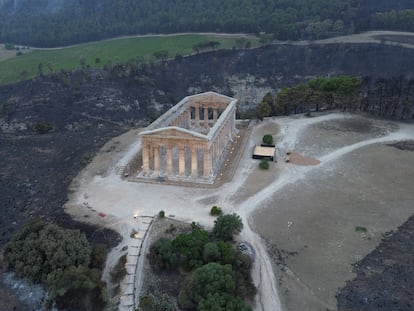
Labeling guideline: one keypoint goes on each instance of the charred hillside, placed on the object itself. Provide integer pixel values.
(51, 127)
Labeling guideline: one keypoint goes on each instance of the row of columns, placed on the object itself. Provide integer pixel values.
(151, 159)
(205, 115)
(158, 153)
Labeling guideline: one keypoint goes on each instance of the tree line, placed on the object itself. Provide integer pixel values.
(385, 97)
(33, 23)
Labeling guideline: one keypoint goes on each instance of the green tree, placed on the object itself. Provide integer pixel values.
(163, 255)
(77, 288)
(207, 280)
(226, 226)
(267, 139)
(211, 252)
(216, 211)
(264, 164)
(41, 249)
(190, 247)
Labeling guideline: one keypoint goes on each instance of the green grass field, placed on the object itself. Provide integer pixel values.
(117, 51)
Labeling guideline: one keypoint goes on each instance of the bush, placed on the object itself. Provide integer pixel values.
(268, 139)
(156, 301)
(264, 164)
(161, 214)
(216, 211)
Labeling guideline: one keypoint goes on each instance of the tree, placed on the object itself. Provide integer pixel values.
(77, 288)
(216, 211)
(264, 164)
(211, 252)
(163, 255)
(41, 249)
(264, 110)
(226, 226)
(209, 279)
(190, 247)
(267, 139)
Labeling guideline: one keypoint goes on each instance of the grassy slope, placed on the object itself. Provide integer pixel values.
(116, 50)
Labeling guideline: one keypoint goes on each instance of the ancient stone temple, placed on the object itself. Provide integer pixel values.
(190, 141)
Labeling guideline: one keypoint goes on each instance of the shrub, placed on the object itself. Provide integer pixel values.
(268, 139)
(156, 301)
(216, 211)
(264, 164)
(161, 214)
(360, 229)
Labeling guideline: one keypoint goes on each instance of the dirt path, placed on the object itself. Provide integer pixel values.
(120, 199)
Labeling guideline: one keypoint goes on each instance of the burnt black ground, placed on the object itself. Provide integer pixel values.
(385, 278)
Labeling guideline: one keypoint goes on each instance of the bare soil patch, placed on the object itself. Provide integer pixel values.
(321, 138)
(311, 226)
(298, 159)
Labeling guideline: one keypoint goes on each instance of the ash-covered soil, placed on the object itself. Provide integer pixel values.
(391, 268)
(36, 167)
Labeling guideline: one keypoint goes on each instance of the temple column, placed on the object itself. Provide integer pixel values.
(215, 113)
(207, 163)
(206, 117)
(181, 161)
(188, 119)
(169, 160)
(156, 158)
(197, 114)
(194, 162)
(145, 158)
(151, 157)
